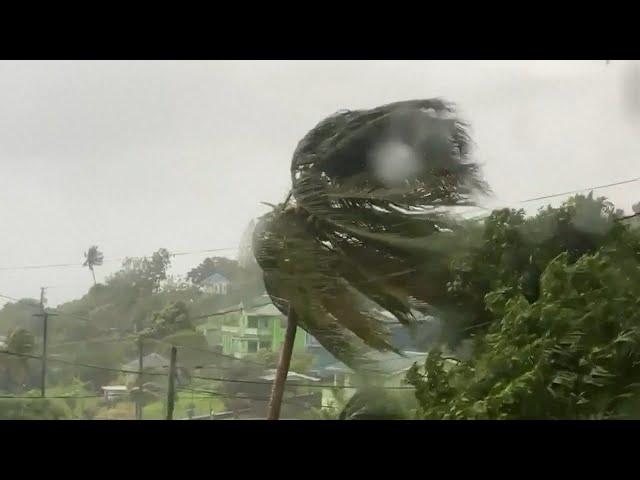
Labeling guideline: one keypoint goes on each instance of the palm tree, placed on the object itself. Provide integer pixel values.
(367, 225)
(93, 257)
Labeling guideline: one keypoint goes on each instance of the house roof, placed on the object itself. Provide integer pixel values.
(215, 279)
(290, 376)
(386, 363)
(115, 388)
(268, 310)
(153, 360)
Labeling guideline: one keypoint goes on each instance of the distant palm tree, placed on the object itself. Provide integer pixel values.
(93, 257)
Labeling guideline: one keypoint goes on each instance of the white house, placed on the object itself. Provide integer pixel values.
(113, 392)
(216, 284)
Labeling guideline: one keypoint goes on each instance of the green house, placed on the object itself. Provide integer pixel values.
(253, 329)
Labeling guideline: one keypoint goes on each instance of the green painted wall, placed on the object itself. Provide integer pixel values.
(278, 334)
(234, 343)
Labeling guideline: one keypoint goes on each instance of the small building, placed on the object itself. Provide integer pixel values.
(253, 329)
(115, 392)
(216, 284)
(3, 342)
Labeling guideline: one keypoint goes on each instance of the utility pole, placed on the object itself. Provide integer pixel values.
(171, 391)
(43, 375)
(140, 368)
(277, 392)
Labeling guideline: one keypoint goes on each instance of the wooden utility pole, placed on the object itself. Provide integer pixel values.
(277, 391)
(43, 373)
(140, 369)
(171, 391)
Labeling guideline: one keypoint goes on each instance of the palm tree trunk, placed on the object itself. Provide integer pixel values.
(94, 276)
(283, 367)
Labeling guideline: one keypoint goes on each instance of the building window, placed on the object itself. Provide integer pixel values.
(252, 322)
(252, 346)
(265, 345)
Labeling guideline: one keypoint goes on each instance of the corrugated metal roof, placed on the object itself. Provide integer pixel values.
(290, 376)
(115, 388)
(268, 310)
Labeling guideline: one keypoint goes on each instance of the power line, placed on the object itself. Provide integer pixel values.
(197, 377)
(312, 385)
(117, 259)
(34, 267)
(240, 309)
(192, 252)
(25, 397)
(243, 397)
(91, 340)
(212, 352)
(78, 364)
(9, 298)
(598, 187)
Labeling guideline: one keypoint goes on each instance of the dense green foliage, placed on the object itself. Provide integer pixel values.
(36, 409)
(173, 318)
(100, 327)
(560, 292)
(377, 404)
(221, 265)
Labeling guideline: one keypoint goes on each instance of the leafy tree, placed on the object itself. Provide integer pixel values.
(92, 258)
(221, 265)
(173, 318)
(570, 353)
(145, 274)
(20, 341)
(513, 250)
(20, 313)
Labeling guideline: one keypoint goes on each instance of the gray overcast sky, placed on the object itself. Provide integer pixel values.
(134, 156)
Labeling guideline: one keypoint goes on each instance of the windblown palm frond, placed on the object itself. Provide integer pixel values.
(92, 258)
(369, 223)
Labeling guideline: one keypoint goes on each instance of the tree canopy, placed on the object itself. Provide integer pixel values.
(221, 265)
(560, 293)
